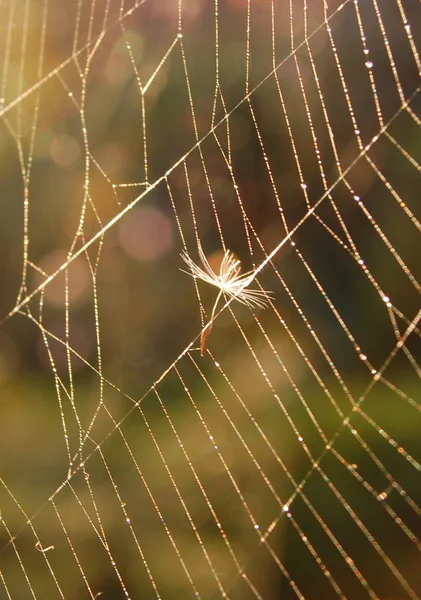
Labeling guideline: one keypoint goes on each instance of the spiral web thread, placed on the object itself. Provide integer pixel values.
(285, 462)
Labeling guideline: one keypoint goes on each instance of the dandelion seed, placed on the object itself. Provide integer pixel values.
(204, 337)
(230, 283)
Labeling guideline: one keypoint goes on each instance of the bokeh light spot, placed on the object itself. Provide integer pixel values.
(65, 151)
(78, 279)
(147, 234)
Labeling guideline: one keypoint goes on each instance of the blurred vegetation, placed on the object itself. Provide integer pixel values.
(149, 312)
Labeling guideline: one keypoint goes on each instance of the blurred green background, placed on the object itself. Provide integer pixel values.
(84, 134)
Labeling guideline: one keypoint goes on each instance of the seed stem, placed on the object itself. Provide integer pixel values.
(207, 329)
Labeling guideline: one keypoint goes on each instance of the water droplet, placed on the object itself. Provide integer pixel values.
(369, 64)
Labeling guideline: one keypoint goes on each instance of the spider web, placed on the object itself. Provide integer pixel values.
(285, 462)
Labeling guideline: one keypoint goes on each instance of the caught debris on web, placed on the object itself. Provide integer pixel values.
(230, 282)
